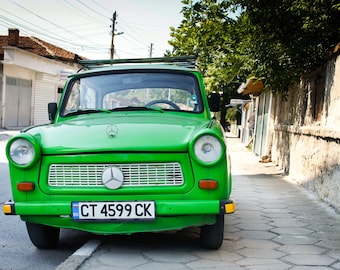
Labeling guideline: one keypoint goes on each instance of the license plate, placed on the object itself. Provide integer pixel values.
(128, 210)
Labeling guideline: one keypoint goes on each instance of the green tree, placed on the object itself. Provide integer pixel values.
(289, 37)
(199, 30)
(206, 29)
(276, 40)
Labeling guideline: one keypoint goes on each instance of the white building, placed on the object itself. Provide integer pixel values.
(31, 75)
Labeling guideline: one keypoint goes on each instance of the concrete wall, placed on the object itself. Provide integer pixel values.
(45, 75)
(305, 136)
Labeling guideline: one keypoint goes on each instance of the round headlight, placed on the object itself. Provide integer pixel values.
(208, 149)
(21, 152)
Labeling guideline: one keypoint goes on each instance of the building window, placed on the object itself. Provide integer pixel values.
(318, 92)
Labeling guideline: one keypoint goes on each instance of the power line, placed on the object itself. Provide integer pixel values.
(97, 3)
(139, 32)
(88, 7)
(22, 26)
(82, 12)
(82, 34)
(52, 23)
(29, 30)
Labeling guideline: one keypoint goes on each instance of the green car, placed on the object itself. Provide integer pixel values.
(130, 148)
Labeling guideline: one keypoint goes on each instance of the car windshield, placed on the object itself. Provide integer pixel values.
(133, 91)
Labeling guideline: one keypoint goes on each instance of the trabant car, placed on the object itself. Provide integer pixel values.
(131, 147)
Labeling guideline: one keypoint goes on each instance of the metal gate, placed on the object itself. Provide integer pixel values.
(17, 102)
(262, 122)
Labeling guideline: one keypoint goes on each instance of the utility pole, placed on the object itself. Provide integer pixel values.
(151, 50)
(112, 51)
(114, 17)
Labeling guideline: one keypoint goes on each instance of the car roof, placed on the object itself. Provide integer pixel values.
(178, 63)
(139, 67)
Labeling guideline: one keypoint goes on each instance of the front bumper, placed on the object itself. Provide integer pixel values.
(163, 208)
(170, 215)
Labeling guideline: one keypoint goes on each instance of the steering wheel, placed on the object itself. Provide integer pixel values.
(170, 103)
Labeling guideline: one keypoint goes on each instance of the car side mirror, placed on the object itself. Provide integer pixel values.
(214, 101)
(52, 110)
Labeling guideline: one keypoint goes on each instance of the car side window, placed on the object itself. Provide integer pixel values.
(80, 97)
(73, 101)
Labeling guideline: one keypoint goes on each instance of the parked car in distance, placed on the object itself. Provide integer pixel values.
(132, 147)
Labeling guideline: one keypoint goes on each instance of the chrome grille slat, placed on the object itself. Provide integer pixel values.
(135, 174)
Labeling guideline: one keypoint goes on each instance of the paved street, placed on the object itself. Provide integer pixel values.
(16, 250)
(277, 225)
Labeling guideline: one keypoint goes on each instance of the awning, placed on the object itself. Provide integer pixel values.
(252, 86)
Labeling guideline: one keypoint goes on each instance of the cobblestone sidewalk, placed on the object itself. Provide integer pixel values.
(277, 225)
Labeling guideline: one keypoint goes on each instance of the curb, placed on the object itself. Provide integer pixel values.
(79, 256)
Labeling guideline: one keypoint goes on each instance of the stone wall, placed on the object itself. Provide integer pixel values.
(305, 138)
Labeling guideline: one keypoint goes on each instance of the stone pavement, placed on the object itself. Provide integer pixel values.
(277, 225)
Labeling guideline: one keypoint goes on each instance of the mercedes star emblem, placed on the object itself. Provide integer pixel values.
(111, 130)
(112, 178)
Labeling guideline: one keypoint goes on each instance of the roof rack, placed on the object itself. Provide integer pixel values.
(189, 61)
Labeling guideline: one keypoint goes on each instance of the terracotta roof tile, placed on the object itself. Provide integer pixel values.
(39, 47)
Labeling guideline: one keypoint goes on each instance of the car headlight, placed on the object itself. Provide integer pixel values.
(208, 149)
(23, 152)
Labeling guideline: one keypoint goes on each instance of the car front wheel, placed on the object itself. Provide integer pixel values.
(42, 236)
(212, 235)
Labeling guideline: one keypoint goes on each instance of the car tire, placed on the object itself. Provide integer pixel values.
(212, 235)
(42, 236)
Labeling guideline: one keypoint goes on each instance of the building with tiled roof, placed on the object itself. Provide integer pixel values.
(35, 46)
(32, 74)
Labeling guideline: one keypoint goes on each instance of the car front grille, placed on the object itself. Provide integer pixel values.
(137, 174)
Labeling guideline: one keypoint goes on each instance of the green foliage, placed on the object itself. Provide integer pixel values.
(277, 41)
(199, 31)
(231, 115)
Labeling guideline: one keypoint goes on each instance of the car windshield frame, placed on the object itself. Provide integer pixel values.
(132, 90)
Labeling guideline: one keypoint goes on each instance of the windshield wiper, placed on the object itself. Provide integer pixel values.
(86, 111)
(127, 108)
(137, 108)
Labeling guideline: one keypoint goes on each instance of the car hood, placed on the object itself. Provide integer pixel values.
(137, 133)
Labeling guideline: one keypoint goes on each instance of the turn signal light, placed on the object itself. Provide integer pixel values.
(208, 184)
(25, 186)
(229, 207)
(7, 209)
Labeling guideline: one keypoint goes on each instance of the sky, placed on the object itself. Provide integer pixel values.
(84, 26)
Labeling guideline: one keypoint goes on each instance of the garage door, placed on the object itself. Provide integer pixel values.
(17, 102)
